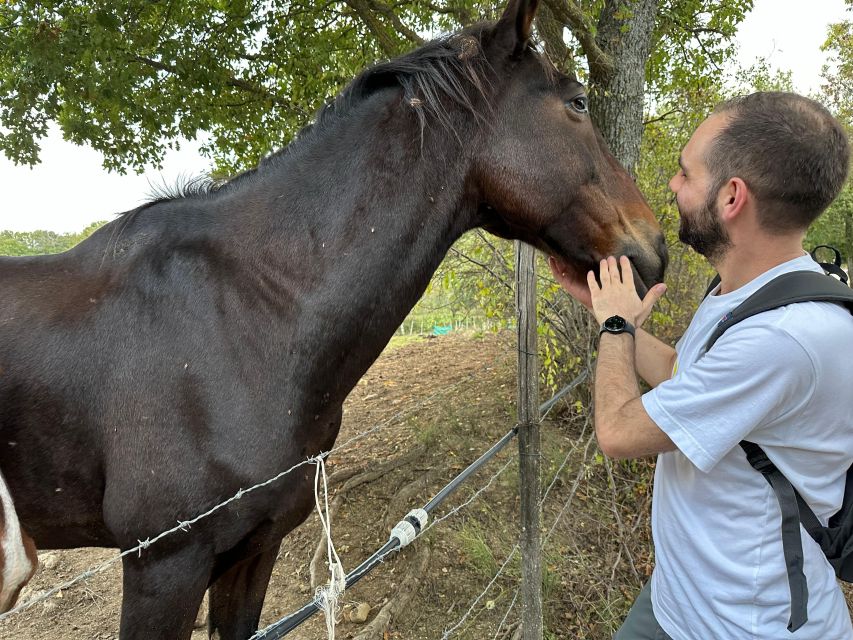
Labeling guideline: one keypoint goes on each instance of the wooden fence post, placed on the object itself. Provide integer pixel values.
(529, 450)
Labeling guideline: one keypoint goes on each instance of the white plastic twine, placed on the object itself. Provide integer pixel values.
(327, 596)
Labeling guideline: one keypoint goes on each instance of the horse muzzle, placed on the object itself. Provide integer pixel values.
(648, 262)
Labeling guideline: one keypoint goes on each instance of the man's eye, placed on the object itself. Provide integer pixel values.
(579, 104)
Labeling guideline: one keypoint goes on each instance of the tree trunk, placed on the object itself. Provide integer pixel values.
(550, 29)
(625, 35)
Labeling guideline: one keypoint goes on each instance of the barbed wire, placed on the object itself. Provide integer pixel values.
(187, 524)
(515, 549)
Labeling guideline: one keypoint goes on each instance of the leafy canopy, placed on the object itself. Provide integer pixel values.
(132, 77)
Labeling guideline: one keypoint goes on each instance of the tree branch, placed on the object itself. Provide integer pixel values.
(368, 17)
(231, 81)
(570, 14)
(401, 28)
(662, 117)
(550, 29)
(463, 16)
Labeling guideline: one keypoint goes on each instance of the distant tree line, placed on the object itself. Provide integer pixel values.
(30, 243)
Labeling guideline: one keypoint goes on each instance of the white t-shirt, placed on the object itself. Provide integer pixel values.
(781, 379)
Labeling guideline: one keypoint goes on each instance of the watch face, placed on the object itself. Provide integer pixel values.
(615, 323)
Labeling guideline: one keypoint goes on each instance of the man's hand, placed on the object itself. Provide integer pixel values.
(617, 295)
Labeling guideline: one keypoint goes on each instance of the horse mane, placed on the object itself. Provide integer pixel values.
(184, 187)
(434, 77)
(444, 74)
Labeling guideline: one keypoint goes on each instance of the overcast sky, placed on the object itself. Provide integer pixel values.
(69, 188)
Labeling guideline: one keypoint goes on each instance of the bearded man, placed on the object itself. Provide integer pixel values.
(752, 178)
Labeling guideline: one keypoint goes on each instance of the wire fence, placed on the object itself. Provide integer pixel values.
(458, 625)
(283, 626)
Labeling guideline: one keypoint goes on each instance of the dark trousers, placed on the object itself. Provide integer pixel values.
(640, 624)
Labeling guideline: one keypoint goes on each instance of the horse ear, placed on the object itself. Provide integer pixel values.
(516, 24)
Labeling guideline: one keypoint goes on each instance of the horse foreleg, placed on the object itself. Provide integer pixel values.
(161, 594)
(237, 596)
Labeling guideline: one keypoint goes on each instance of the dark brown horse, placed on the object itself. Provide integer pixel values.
(205, 342)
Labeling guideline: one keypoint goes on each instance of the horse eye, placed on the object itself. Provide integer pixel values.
(579, 104)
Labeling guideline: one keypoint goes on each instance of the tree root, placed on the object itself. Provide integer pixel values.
(397, 505)
(404, 595)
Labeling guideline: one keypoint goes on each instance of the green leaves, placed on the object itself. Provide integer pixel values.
(693, 38)
(835, 226)
(128, 77)
(131, 76)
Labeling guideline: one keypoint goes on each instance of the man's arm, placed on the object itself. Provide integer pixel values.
(622, 426)
(654, 358)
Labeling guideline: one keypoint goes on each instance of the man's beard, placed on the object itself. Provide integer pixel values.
(702, 229)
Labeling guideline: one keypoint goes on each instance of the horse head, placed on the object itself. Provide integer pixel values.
(543, 173)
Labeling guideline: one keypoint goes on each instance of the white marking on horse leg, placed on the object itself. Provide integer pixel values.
(18, 565)
(201, 616)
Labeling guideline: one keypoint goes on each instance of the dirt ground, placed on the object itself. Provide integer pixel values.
(441, 403)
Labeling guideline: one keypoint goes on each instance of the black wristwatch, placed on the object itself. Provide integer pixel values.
(616, 324)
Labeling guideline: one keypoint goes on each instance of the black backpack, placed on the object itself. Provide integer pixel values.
(836, 539)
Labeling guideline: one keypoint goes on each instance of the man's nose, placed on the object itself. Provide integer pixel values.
(671, 183)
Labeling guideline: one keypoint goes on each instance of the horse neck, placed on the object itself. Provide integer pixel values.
(355, 238)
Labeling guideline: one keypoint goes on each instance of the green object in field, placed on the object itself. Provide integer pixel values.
(438, 330)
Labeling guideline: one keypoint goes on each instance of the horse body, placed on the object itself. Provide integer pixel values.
(199, 345)
(225, 349)
(198, 336)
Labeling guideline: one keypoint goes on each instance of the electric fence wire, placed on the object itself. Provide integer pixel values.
(412, 526)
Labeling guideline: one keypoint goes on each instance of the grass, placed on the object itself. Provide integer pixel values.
(477, 550)
(427, 433)
(398, 341)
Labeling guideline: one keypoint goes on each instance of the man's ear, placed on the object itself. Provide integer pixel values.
(733, 198)
(516, 24)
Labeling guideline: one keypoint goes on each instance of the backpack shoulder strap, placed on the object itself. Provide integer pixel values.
(794, 511)
(792, 545)
(714, 282)
(795, 286)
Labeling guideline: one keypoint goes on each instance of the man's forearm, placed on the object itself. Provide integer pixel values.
(654, 358)
(615, 387)
(622, 426)
(615, 380)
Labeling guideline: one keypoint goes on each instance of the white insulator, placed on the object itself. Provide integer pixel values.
(405, 531)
